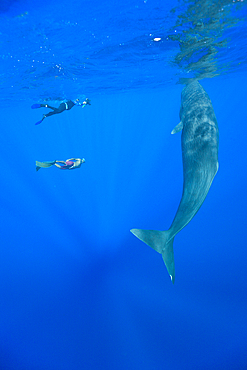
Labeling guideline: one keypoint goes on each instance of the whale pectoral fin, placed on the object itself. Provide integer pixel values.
(178, 128)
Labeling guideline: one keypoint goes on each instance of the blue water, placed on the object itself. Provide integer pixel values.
(78, 290)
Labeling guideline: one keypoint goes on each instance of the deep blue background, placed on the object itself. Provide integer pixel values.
(78, 290)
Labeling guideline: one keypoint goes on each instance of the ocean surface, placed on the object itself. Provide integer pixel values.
(77, 290)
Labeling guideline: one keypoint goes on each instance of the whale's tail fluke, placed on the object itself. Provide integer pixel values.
(158, 240)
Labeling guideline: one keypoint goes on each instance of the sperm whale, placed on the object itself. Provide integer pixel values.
(200, 143)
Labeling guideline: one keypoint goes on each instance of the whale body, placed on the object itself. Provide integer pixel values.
(200, 142)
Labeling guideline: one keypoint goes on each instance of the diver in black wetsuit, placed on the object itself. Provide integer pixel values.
(67, 105)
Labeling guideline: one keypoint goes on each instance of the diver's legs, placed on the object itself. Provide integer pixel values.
(51, 113)
(60, 109)
(47, 106)
(58, 165)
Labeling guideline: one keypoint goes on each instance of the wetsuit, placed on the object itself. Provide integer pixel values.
(62, 107)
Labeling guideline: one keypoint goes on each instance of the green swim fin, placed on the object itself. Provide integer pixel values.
(44, 164)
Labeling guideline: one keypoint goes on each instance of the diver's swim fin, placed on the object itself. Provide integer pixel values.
(44, 164)
(35, 106)
(37, 123)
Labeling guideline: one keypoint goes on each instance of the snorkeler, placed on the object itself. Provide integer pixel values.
(66, 105)
(69, 164)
